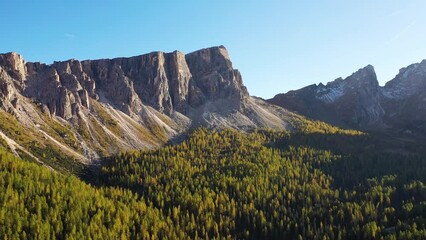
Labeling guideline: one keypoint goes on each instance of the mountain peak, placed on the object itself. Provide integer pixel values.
(363, 78)
(213, 74)
(365, 72)
(409, 81)
(408, 71)
(213, 56)
(349, 102)
(369, 67)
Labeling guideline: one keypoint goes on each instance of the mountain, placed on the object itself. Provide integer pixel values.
(359, 102)
(86, 110)
(222, 180)
(94, 108)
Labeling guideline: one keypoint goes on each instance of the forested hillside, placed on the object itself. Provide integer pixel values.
(318, 183)
(37, 203)
(276, 185)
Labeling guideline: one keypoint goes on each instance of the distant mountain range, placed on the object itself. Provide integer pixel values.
(359, 102)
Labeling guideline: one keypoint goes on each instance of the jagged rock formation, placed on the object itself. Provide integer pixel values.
(404, 99)
(94, 108)
(359, 102)
(167, 82)
(351, 102)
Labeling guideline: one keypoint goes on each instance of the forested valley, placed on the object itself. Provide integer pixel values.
(317, 183)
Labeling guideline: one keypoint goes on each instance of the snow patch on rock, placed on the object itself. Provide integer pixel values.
(330, 94)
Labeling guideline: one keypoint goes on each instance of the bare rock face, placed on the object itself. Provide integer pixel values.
(112, 85)
(64, 103)
(149, 76)
(214, 78)
(14, 65)
(44, 84)
(180, 77)
(12, 76)
(7, 90)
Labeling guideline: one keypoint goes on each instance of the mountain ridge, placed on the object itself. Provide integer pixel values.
(89, 109)
(93, 108)
(359, 102)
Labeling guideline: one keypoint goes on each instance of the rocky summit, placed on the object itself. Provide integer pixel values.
(359, 102)
(94, 108)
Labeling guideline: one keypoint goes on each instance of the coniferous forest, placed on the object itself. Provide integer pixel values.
(317, 183)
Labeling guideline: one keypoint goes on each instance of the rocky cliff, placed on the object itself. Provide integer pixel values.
(95, 108)
(167, 82)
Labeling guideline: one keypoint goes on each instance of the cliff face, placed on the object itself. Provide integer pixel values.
(214, 78)
(110, 105)
(167, 82)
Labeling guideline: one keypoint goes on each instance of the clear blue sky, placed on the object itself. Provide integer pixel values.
(278, 45)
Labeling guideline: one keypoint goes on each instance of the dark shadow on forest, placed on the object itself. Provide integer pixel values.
(364, 156)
